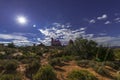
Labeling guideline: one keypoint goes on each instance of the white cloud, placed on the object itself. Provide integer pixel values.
(117, 20)
(5, 42)
(82, 29)
(45, 32)
(23, 34)
(108, 40)
(22, 42)
(88, 36)
(34, 25)
(107, 22)
(103, 39)
(62, 33)
(104, 16)
(16, 38)
(102, 34)
(59, 25)
(92, 21)
(10, 37)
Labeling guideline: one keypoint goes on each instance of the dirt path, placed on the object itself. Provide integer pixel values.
(64, 70)
(21, 69)
(44, 59)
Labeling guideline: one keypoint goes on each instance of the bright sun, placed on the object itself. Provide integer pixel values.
(21, 20)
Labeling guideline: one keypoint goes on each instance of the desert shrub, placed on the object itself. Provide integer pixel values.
(57, 58)
(89, 49)
(10, 66)
(32, 68)
(59, 54)
(67, 58)
(45, 73)
(19, 58)
(105, 54)
(81, 75)
(2, 56)
(10, 77)
(84, 48)
(1, 68)
(45, 50)
(102, 70)
(11, 45)
(70, 49)
(27, 60)
(39, 53)
(117, 63)
(9, 51)
(54, 61)
(117, 76)
(113, 65)
(83, 63)
(117, 54)
(94, 63)
(88, 63)
(39, 49)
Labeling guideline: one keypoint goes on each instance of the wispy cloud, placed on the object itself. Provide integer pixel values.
(59, 25)
(107, 22)
(117, 20)
(10, 37)
(105, 19)
(104, 16)
(108, 40)
(92, 21)
(97, 19)
(102, 34)
(17, 38)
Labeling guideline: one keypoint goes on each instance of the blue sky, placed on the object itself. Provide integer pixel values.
(98, 20)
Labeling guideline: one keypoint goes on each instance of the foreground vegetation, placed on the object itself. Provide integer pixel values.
(46, 62)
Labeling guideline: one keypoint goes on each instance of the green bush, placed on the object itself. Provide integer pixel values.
(32, 68)
(89, 49)
(113, 65)
(54, 61)
(28, 60)
(10, 77)
(86, 49)
(10, 66)
(54, 55)
(11, 45)
(105, 54)
(1, 68)
(45, 73)
(81, 75)
(67, 58)
(102, 71)
(70, 50)
(9, 51)
(117, 53)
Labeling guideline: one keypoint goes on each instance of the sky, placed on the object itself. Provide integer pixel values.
(98, 20)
